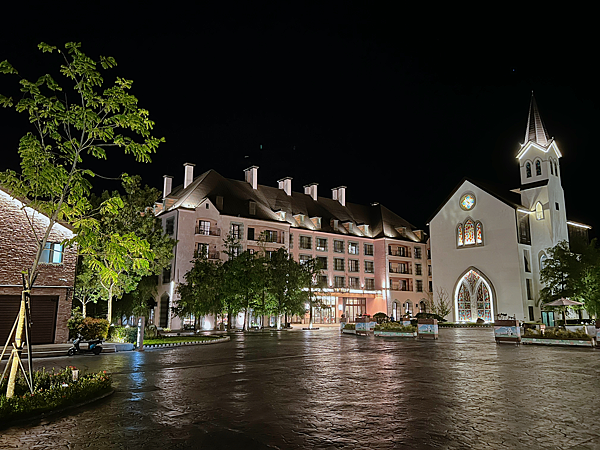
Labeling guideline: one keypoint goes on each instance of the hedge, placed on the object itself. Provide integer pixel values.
(51, 391)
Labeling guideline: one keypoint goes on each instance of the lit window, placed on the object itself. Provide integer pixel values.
(459, 232)
(479, 233)
(321, 244)
(469, 232)
(353, 265)
(352, 248)
(539, 211)
(538, 167)
(528, 169)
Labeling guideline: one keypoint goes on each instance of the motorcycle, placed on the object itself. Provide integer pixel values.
(93, 347)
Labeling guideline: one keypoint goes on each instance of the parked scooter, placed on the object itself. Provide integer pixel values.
(93, 347)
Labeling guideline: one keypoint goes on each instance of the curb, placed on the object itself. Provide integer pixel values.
(10, 423)
(180, 344)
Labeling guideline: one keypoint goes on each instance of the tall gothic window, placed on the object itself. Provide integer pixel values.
(469, 233)
(528, 169)
(551, 167)
(473, 298)
(538, 167)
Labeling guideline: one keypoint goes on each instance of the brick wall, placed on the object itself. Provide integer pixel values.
(18, 248)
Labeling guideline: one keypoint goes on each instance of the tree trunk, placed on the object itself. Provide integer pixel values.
(84, 308)
(279, 321)
(245, 319)
(109, 315)
(18, 345)
(229, 321)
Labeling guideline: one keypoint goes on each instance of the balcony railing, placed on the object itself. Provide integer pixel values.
(399, 287)
(214, 255)
(400, 270)
(209, 232)
(399, 252)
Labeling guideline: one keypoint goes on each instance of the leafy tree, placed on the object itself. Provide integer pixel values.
(70, 125)
(310, 271)
(87, 288)
(285, 285)
(138, 283)
(243, 276)
(573, 275)
(202, 291)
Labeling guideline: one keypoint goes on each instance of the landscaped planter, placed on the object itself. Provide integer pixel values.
(427, 329)
(349, 331)
(507, 331)
(395, 334)
(563, 342)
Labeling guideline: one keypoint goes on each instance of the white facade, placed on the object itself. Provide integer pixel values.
(487, 248)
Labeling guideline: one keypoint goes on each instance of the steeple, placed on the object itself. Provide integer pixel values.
(536, 131)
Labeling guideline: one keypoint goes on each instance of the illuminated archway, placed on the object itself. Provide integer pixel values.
(473, 297)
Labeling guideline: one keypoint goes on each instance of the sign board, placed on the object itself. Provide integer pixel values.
(507, 331)
(427, 329)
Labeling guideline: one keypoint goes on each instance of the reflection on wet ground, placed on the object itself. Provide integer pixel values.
(318, 389)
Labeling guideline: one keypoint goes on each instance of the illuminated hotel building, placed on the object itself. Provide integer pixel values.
(373, 260)
(488, 247)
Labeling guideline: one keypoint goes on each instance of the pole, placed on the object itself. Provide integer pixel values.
(17, 349)
(140, 334)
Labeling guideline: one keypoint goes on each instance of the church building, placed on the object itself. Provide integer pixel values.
(487, 248)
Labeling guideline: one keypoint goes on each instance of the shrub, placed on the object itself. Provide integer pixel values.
(558, 333)
(430, 316)
(123, 334)
(395, 326)
(49, 393)
(91, 328)
(74, 323)
(350, 326)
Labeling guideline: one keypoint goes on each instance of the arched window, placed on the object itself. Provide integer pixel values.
(473, 298)
(528, 169)
(479, 233)
(552, 167)
(538, 167)
(539, 211)
(459, 233)
(469, 232)
(395, 311)
(542, 261)
(408, 308)
(556, 169)
(422, 306)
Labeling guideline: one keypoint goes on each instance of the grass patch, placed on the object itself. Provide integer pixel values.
(178, 339)
(51, 391)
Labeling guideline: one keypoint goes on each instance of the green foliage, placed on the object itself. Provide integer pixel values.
(201, 292)
(395, 326)
(91, 328)
(350, 326)
(178, 339)
(572, 275)
(558, 333)
(73, 125)
(122, 334)
(74, 323)
(49, 394)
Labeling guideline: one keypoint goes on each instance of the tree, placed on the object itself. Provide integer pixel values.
(201, 292)
(441, 304)
(72, 125)
(310, 271)
(285, 284)
(87, 288)
(138, 283)
(573, 275)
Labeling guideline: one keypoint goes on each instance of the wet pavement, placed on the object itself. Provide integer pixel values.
(317, 389)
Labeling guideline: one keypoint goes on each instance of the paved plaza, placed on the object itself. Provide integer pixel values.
(318, 389)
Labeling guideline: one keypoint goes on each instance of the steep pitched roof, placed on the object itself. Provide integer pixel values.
(509, 198)
(536, 130)
(236, 196)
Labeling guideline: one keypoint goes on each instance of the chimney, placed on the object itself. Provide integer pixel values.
(189, 174)
(251, 176)
(167, 185)
(311, 189)
(339, 194)
(286, 185)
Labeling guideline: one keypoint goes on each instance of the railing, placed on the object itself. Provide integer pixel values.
(397, 287)
(214, 255)
(402, 271)
(397, 252)
(209, 232)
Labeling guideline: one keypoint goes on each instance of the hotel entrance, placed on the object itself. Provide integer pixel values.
(354, 307)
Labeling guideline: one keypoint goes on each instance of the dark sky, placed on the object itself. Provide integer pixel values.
(397, 104)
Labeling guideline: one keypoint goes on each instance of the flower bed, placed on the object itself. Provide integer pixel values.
(558, 336)
(52, 391)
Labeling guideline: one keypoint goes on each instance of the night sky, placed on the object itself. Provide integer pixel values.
(396, 104)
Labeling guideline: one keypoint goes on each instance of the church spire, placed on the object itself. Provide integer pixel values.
(536, 131)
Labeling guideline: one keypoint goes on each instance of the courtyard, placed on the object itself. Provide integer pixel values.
(319, 389)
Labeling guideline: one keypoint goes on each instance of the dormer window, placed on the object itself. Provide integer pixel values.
(316, 222)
